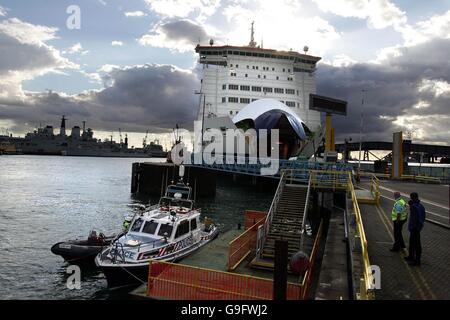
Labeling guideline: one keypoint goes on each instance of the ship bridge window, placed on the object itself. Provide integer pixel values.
(165, 228)
(137, 225)
(245, 88)
(257, 89)
(290, 91)
(290, 103)
(267, 89)
(193, 224)
(233, 87)
(150, 227)
(182, 229)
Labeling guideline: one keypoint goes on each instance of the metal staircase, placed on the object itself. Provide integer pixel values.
(285, 220)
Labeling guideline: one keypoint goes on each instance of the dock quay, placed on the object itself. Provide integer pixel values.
(398, 279)
(348, 248)
(243, 267)
(149, 178)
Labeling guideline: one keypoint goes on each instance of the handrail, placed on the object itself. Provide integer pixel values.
(305, 212)
(366, 282)
(307, 275)
(247, 236)
(375, 188)
(271, 213)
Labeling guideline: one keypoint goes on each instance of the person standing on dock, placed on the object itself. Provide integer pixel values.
(398, 216)
(415, 225)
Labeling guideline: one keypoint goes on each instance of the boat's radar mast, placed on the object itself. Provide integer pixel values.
(181, 172)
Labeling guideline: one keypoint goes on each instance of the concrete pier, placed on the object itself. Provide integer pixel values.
(152, 178)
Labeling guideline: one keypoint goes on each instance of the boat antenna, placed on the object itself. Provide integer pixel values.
(162, 184)
(188, 174)
(195, 190)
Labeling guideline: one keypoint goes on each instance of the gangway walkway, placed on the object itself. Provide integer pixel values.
(253, 166)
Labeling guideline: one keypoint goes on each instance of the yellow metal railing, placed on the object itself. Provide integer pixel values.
(366, 292)
(328, 179)
(375, 188)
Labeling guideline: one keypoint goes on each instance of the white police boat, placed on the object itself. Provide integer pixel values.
(168, 231)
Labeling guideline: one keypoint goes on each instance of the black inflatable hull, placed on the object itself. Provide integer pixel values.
(77, 252)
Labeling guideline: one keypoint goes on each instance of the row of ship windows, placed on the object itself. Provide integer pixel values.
(263, 68)
(258, 89)
(234, 74)
(204, 54)
(248, 100)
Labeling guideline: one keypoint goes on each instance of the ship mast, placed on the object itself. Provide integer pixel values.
(62, 131)
(252, 42)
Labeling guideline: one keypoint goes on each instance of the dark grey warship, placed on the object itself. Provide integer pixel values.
(81, 142)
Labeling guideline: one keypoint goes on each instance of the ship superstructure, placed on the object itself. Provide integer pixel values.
(234, 76)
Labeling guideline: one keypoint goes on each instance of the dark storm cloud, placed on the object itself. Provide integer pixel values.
(17, 56)
(184, 30)
(142, 97)
(391, 90)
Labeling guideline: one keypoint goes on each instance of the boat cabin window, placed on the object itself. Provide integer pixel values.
(182, 190)
(150, 227)
(183, 228)
(165, 228)
(137, 225)
(193, 224)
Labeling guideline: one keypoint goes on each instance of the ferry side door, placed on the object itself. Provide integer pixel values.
(194, 224)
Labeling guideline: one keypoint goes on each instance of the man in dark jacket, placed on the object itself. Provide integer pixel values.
(415, 225)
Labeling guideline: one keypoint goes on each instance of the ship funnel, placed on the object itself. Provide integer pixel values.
(75, 132)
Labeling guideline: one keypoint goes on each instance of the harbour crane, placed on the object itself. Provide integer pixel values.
(120, 135)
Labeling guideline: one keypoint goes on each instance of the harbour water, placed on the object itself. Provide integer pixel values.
(47, 199)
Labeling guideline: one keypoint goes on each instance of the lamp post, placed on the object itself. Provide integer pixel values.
(360, 130)
(203, 119)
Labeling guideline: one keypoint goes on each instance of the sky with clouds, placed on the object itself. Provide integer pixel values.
(132, 65)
